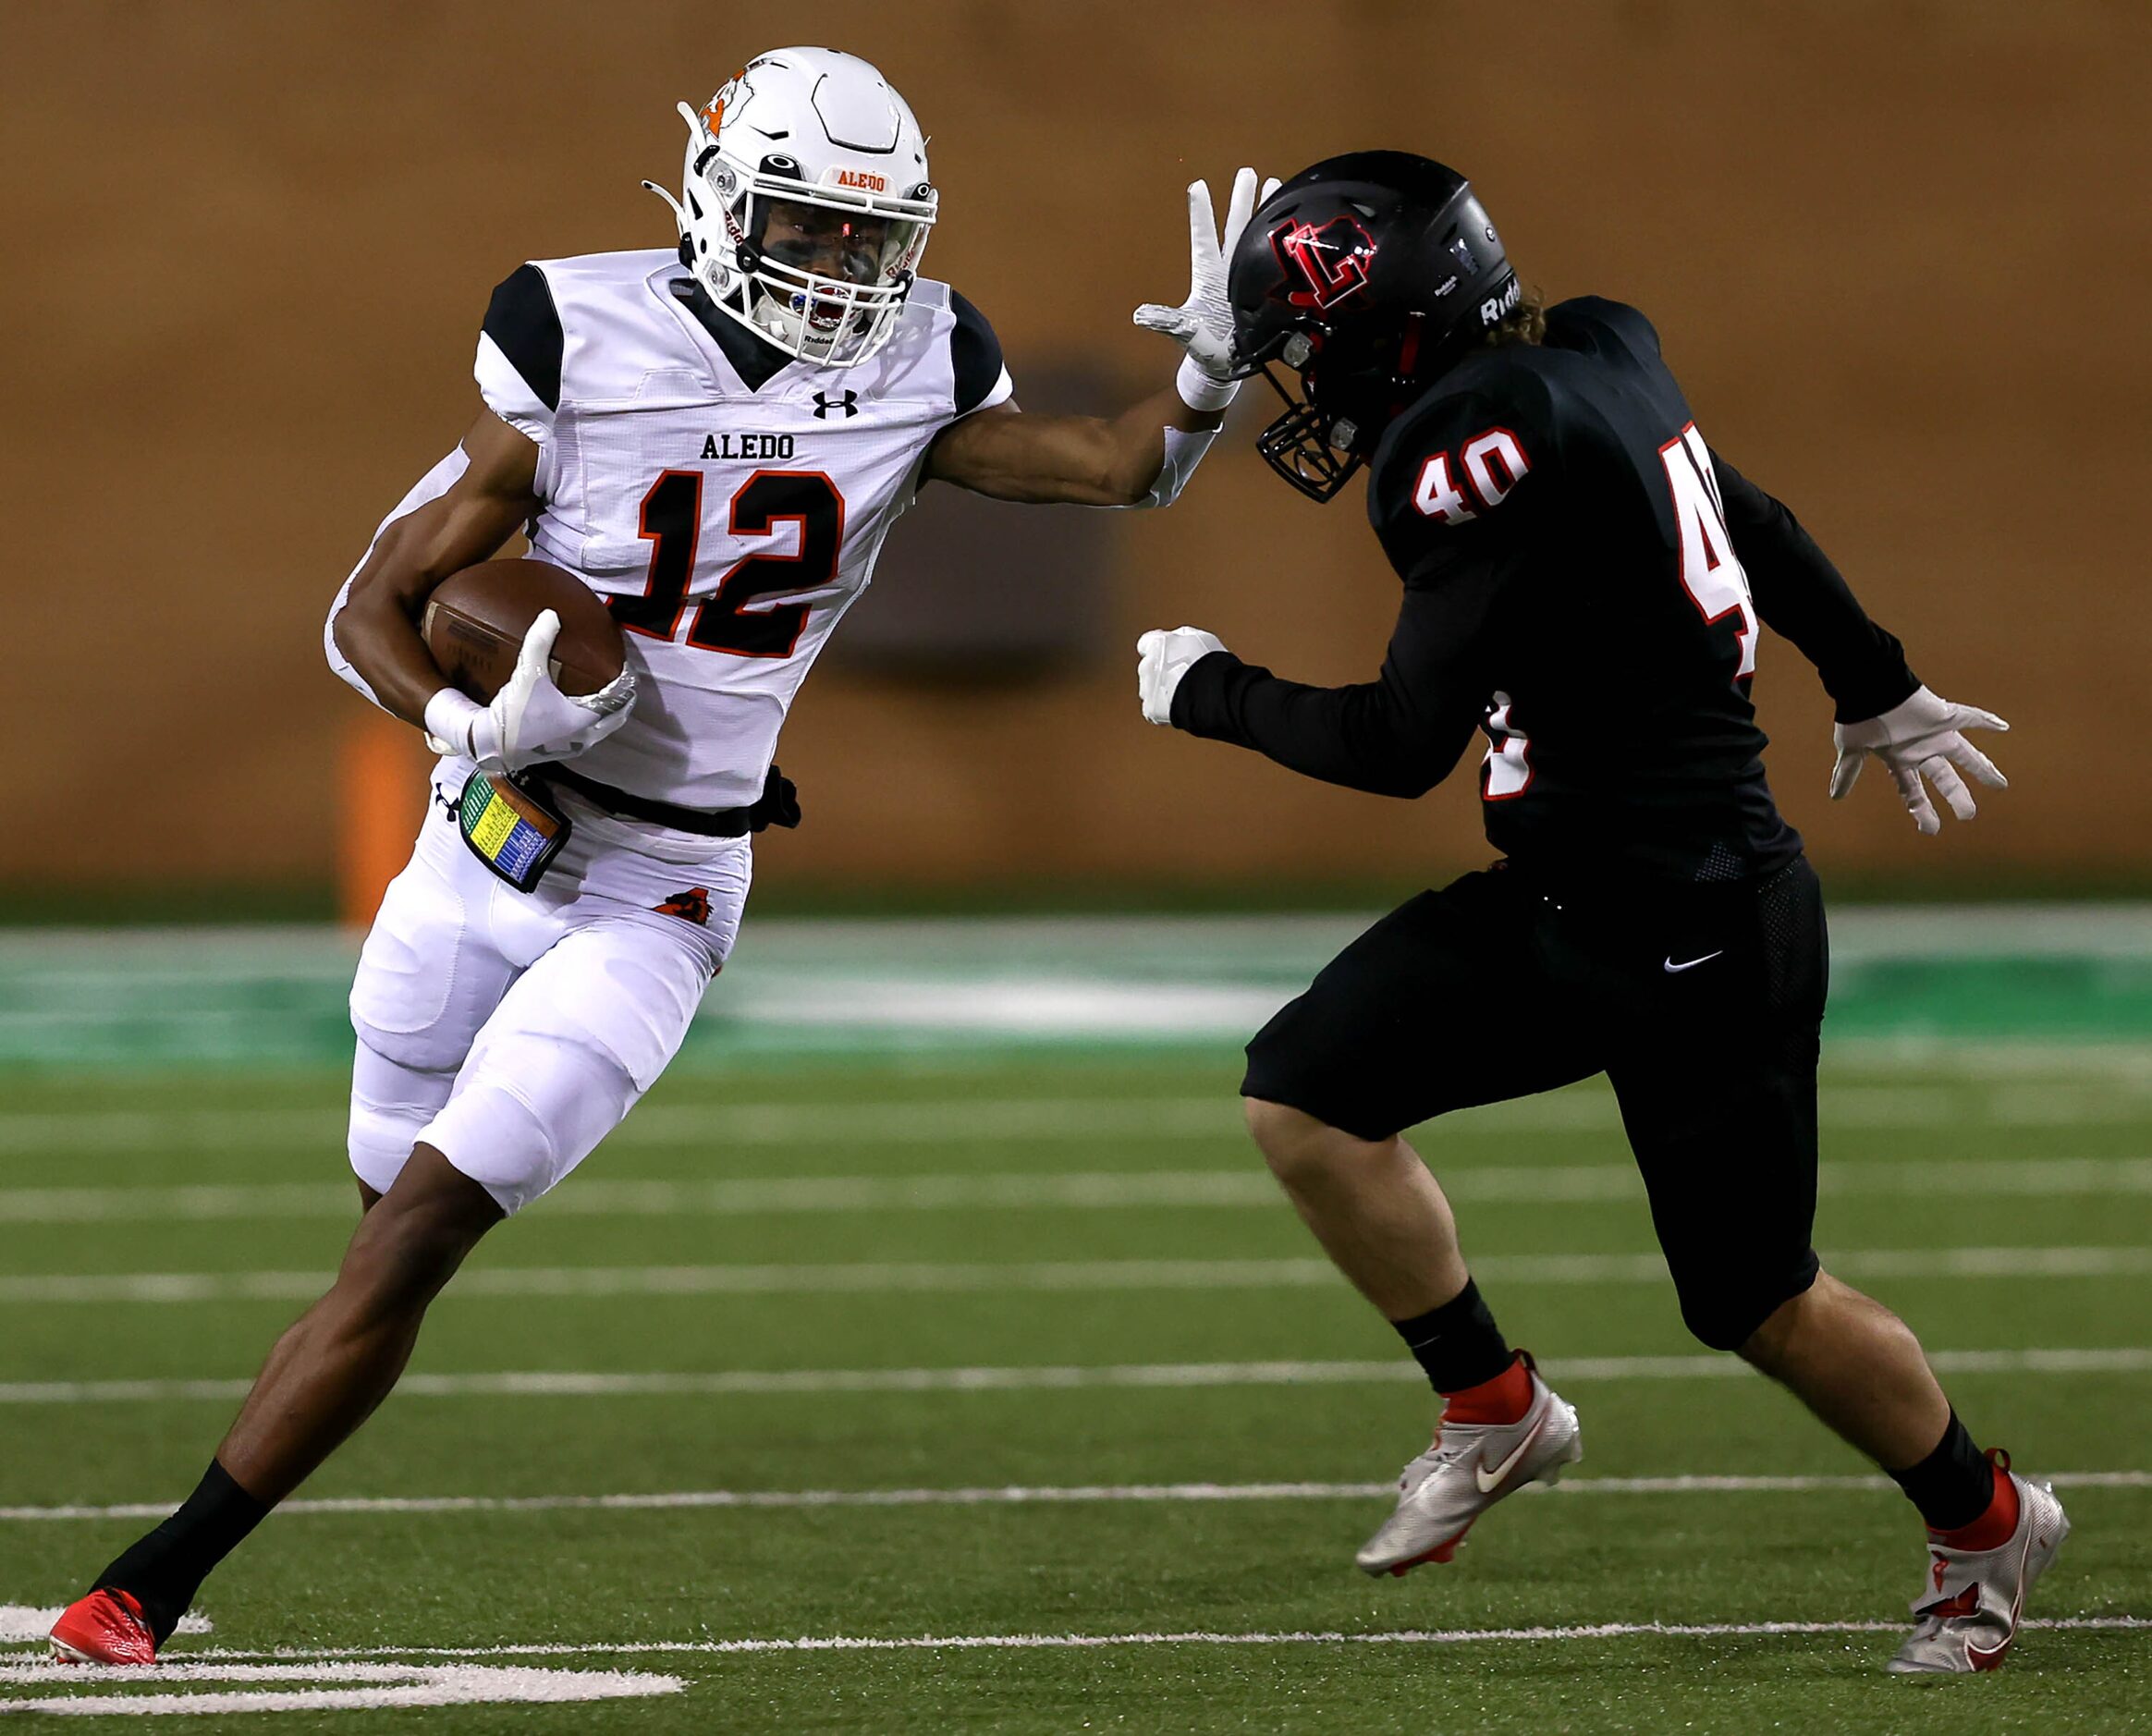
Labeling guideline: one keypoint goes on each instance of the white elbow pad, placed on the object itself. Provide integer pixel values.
(430, 486)
(1183, 452)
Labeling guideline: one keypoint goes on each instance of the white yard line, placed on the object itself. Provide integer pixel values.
(2130, 1360)
(1419, 1636)
(1016, 1495)
(2126, 1061)
(875, 1278)
(27, 1623)
(598, 1197)
(375, 1687)
(717, 1127)
(1056, 1642)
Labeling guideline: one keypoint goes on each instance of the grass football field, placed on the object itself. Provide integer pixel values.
(979, 1393)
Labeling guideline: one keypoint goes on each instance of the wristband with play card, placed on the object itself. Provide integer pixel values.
(510, 828)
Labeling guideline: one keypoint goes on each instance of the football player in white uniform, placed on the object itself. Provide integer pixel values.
(715, 438)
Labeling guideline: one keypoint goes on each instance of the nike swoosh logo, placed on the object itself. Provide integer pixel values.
(1987, 1657)
(1489, 1481)
(1980, 1656)
(1675, 970)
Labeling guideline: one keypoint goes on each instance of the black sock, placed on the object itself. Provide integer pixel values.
(1953, 1484)
(1458, 1344)
(165, 1569)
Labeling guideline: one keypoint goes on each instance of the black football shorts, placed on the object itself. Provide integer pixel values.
(1702, 1004)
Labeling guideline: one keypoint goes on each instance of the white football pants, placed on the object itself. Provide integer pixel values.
(512, 1032)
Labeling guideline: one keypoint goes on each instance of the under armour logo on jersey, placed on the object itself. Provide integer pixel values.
(823, 404)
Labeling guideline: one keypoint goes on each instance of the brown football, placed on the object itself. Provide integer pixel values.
(476, 621)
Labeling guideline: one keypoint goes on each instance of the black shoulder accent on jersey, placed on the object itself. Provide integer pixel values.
(974, 353)
(525, 328)
(753, 360)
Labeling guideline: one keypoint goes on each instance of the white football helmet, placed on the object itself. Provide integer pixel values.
(819, 141)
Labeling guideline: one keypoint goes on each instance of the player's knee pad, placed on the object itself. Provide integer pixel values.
(435, 1050)
(428, 975)
(618, 994)
(1722, 1306)
(391, 1104)
(528, 1112)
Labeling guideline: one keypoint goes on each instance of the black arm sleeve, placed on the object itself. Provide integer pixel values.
(1802, 597)
(1398, 735)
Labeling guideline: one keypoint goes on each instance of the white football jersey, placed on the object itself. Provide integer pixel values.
(728, 503)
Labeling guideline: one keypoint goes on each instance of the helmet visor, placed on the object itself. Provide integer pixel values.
(818, 240)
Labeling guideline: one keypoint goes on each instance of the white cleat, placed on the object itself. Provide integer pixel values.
(1469, 1468)
(1967, 1614)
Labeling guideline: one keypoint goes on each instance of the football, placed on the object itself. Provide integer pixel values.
(475, 620)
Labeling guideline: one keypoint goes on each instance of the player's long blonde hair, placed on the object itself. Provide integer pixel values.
(1524, 323)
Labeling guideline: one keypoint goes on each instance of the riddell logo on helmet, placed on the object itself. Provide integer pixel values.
(1495, 307)
(865, 181)
(1323, 263)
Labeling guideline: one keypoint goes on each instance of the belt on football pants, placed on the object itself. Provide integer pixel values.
(777, 805)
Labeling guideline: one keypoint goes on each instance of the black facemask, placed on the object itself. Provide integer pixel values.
(1338, 401)
(1310, 447)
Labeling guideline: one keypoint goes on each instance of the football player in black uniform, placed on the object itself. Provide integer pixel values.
(1583, 579)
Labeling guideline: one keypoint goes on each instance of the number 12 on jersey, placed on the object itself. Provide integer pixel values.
(1711, 573)
(749, 615)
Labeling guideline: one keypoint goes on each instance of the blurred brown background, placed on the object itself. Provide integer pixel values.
(1897, 254)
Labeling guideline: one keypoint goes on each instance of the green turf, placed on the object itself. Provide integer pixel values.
(610, 1578)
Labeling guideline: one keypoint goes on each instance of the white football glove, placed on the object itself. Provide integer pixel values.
(1162, 658)
(1203, 324)
(530, 720)
(1923, 738)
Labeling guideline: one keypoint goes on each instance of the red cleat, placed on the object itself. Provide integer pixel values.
(104, 1628)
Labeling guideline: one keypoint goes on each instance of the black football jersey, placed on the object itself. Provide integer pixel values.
(1583, 579)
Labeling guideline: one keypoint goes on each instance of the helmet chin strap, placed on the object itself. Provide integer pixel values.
(1408, 346)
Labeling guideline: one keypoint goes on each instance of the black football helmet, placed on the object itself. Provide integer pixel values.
(1365, 278)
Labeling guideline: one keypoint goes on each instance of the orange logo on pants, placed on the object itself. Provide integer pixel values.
(692, 906)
